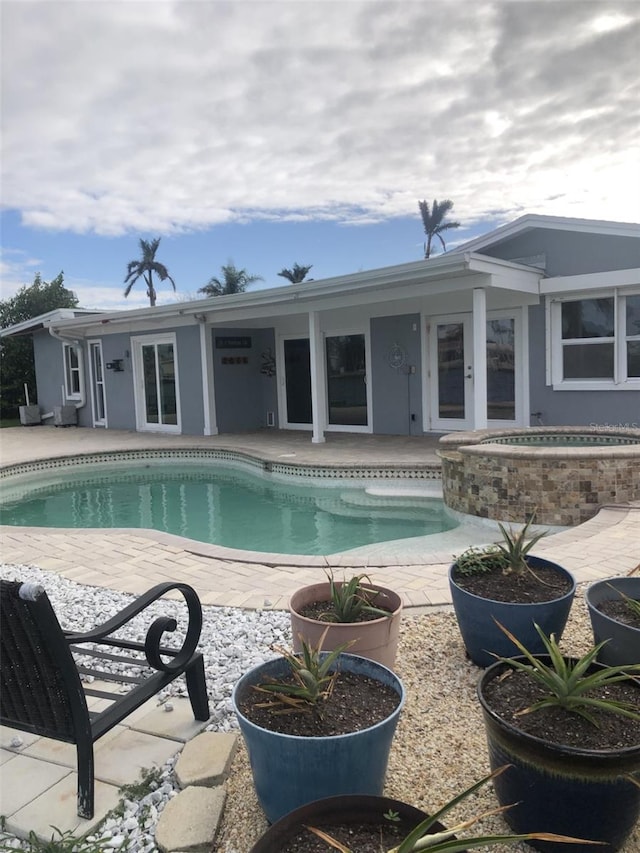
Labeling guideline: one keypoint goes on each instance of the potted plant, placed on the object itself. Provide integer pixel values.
(505, 583)
(614, 610)
(316, 725)
(570, 729)
(352, 823)
(355, 611)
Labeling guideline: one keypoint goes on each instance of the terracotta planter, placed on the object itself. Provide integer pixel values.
(349, 810)
(476, 619)
(623, 641)
(376, 639)
(567, 790)
(290, 770)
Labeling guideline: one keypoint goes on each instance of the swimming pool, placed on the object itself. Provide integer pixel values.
(221, 504)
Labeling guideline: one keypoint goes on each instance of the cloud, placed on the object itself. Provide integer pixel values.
(173, 116)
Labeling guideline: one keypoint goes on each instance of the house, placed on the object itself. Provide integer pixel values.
(537, 322)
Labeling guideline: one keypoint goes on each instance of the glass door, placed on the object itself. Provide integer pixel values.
(98, 405)
(501, 371)
(451, 373)
(157, 399)
(297, 381)
(347, 380)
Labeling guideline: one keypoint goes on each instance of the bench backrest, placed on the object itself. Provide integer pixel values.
(40, 689)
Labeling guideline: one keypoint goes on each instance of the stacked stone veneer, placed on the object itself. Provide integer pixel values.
(562, 486)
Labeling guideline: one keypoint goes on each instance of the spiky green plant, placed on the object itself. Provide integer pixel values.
(632, 603)
(516, 547)
(312, 676)
(350, 599)
(65, 842)
(420, 838)
(567, 682)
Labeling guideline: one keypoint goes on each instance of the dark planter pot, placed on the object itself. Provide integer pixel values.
(376, 639)
(623, 646)
(344, 811)
(290, 771)
(567, 790)
(481, 635)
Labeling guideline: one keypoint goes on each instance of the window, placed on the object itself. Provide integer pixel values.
(596, 341)
(72, 378)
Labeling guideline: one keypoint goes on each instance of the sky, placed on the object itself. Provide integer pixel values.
(274, 132)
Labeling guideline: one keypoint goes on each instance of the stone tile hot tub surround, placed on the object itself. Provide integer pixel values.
(563, 485)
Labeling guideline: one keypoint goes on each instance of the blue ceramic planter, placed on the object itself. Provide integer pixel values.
(290, 771)
(577, 792)
(481, 635)
(623, 641)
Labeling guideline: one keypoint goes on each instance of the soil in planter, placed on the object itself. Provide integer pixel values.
(321, 610)
(361, 838)
(517, 690)
(518, 588)
(356, 702)
(620, 611)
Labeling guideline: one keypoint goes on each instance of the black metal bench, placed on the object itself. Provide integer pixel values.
(40, 686)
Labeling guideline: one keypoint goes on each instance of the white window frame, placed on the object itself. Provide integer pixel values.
(620, 381)
(70, 371)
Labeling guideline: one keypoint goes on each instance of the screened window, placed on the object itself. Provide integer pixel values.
(71, 371)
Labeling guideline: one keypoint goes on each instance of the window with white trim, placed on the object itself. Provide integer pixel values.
(71, 371)
(596, 341)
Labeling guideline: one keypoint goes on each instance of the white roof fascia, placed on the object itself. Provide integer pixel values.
(386, 283)
(591, 281)
(555, 223)
(46, 319)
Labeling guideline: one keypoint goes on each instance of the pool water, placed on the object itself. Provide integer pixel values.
(224, 506)
(563, 440)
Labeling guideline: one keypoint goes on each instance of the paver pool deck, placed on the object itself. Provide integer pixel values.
(38, 789)
(132, 560)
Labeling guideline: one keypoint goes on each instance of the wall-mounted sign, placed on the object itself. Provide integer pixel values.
(233, 342)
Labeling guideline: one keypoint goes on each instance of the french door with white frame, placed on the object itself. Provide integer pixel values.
(450, 371)
(347, 404)
(157, 397)
(96, 379)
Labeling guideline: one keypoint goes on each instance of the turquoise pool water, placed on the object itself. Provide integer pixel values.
(224, 506)
(562, 440)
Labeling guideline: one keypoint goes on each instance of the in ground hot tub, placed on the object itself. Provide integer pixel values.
(562, 474)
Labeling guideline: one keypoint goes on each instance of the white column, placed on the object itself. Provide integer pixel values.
(479, 358)
(318, 378)
(208, 387)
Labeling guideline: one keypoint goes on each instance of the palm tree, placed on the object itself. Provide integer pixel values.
(233, 281)
(295, 275)
(145, 268)
(433, 221)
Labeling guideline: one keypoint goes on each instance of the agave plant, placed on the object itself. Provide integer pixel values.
(632, 603)
(508, 556)
(313, 679)
(567, 683)
(516, 546)
(420, 838)
(350, 599)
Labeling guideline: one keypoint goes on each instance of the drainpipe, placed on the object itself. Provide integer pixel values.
(79, 404)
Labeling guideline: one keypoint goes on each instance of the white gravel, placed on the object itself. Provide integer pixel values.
(232, 640)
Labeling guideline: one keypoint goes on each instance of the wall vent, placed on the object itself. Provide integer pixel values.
(271, 419)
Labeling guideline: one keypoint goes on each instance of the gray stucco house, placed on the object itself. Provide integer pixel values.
(537, 322)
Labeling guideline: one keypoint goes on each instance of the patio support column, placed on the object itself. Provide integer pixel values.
(208, 386)
(479, 358)
(318, 378)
